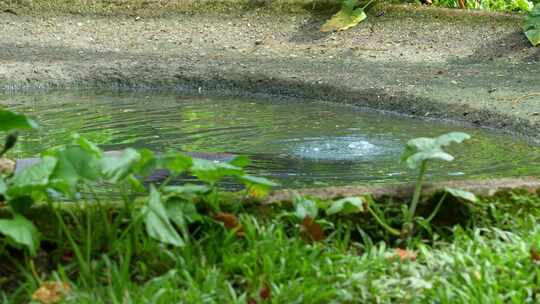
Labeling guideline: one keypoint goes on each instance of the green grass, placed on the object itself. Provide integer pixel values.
(485, 260)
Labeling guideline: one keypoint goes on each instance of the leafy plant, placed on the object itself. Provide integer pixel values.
(18, 230)
(349, 16)
(418, 153)
(531, 25)
(63, 172)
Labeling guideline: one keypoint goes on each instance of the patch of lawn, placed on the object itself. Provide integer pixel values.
(271, 262)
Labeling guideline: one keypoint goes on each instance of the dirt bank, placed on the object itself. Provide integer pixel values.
(422, 62)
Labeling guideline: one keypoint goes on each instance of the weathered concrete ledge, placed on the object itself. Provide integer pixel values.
(470, 67)
(405, 191)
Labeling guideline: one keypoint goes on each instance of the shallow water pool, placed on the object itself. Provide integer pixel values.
(295, 143)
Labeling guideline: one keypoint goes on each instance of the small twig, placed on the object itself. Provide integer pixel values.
(517, 100)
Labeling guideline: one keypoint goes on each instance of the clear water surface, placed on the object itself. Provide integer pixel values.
(298, 144)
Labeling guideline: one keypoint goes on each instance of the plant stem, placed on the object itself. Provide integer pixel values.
(436, 210)
(391, 230)
(417, 191)
(367, 4)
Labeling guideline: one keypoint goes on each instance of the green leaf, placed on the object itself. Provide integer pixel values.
(531, 25)
(212, 172)
(523, 5)
(347, 205)
(257, 186)
(87, 145)
(182, 212)
(187, 190)
(33, 178)
(116, 169)
(305, 208)
(74, 164)
(22, 232)
(158, 225)
(21, 204)
(458, 193)
(175, 162)
(147, 164)
(241, 161)
(424, 148)
(3, 186)
(346, 18)
(14, 121)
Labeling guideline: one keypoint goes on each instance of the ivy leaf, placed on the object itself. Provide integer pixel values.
(531, 25)
(158, 225)
(21, 231)
(346, 18)
(14, 121)
(458, 193)
(347, 205)
(424, 148)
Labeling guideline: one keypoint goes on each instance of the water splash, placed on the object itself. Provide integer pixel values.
(342, 148)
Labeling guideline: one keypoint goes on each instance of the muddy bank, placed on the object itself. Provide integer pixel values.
(424, 62)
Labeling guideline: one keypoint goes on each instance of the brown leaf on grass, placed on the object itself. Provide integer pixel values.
(405, 255)
(265, 293)
(535, 254)
(311, 230)
(51, 292)
(230, 222)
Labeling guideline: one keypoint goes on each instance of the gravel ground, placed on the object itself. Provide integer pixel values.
(472, 67)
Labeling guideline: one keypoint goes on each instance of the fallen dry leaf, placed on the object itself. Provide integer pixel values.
(311, 230)
(51, 292)
(405, 255)
(265, 293)
(230, 221)
(535, 255)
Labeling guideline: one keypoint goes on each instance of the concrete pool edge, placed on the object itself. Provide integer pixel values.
(404, 191)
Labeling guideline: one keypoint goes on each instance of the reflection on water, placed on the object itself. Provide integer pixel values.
(296, 143)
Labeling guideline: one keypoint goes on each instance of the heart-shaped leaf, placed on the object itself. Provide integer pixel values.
(458, 193)
(21, 231)
(305, 208)
(33, 178)
(424, 148)
(158, 225)
(257, 187)
(14, 121)
(213, 171)
(117, 168)
(347, 205)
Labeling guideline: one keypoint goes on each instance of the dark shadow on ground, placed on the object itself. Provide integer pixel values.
(309, 31)
(512, 44)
